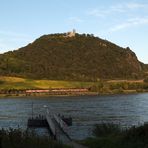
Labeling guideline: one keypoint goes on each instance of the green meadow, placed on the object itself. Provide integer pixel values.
(23, 83)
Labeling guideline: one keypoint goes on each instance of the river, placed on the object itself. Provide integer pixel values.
(86, 111)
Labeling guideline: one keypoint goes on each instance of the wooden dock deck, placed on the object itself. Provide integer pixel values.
(58, 129)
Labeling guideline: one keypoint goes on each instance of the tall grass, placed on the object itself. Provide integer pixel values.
(106, 129)
(16, 138)
(112, 136)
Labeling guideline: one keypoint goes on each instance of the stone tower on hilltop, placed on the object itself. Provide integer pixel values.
(71, 34)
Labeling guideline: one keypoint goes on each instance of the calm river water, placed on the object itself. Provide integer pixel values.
(85, 110)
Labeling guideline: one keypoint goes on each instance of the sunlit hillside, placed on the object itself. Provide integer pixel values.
(22, 83)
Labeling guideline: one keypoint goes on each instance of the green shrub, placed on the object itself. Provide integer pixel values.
(108, 135)
(106, 129)
(16, 138)
(146, 80)
(1, 82)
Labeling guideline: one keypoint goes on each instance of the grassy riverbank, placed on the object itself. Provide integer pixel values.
(112, 136)
(22, 83)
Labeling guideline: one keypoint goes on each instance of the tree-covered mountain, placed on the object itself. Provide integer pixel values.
(81, 57)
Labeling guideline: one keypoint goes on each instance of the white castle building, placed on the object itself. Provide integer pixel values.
(71, 34)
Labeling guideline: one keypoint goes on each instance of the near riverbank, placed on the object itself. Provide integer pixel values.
(18, 138)
(108, 135)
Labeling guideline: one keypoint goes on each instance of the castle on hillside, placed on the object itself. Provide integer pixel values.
(71, 34)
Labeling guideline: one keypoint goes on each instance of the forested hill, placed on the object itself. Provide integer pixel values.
(82, 57)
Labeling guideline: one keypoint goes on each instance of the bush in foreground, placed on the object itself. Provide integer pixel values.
(146, 79)
(111, 136)
(106, 129)
(16, 138)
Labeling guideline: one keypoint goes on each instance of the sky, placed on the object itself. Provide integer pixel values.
(124, 23)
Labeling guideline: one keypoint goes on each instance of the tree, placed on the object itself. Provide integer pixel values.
(146, 80)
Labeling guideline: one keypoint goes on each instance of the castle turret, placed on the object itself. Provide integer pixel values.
(71, 34)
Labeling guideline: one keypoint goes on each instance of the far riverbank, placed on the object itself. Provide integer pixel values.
(15, 86)
(61, 94)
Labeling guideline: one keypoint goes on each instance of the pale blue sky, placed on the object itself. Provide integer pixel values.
(122, 22)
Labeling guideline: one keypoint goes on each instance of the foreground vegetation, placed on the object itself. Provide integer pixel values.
(16, 138)
(112, 136)
(106, 135)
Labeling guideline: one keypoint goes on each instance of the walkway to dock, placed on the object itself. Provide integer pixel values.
(59, 130)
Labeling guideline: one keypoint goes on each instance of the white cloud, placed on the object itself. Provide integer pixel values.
(118, 8)
(136, 5)
(4, 47)
(75, 20)
(97, 12)
(130, 23)
(12, 40)
(13, 34)
(124, 15)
